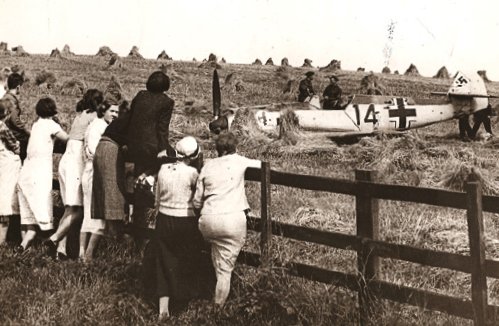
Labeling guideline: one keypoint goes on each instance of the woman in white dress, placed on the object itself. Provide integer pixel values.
(71, 168)
(93, 227)
(35, 181)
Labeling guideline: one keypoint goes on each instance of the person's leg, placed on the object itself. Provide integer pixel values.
(29, 236)
(72, 214)
(487, 125)
(92, 245)
(464, 127)
(476, 127)
(223, 273)
(4, 226)
(83, 244)
(14, 236)
(163, 307)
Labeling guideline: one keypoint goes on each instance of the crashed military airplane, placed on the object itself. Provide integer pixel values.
(367, 115)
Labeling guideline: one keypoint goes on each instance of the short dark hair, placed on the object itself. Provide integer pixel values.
(124, 108)
(90, 101)
(6, 107)
(310, 73)
(103, 107)
(14, 80)
(226, 144)
(158, 82)
(46, 108)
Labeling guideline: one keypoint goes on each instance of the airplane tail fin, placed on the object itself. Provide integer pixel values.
(468, 93)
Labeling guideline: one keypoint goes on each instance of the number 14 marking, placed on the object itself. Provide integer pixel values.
(370, 114)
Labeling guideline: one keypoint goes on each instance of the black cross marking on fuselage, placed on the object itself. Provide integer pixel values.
(402, 113)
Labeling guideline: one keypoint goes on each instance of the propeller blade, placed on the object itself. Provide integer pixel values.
(217, 97)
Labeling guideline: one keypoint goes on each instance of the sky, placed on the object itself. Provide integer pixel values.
(457, 34)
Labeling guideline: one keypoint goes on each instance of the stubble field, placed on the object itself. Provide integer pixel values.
(36, 291)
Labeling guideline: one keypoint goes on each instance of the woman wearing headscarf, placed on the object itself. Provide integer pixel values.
(221, 197)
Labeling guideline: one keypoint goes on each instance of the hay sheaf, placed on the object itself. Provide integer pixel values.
(55, 53)
(19, 51)
(442, 73)
(164, 56)
(246, 128)
(386, 70)
(483, 74)
(361, 69)
(307, 63)
(457, 173)
(45, 77)
(223, 60)
(285, 63)
(66, 51)
(333, 66)
(257, 62)
(105, 51)
(269, 62)
(210, 64)
(412, 71)
(372, 85)
(134, 53)
(74, 86)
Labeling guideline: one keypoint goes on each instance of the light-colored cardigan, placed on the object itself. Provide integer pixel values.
(175, 189)
(220, 185)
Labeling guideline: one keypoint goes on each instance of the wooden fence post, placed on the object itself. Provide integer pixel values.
(477, 250)
(266, 234)
(368, 265)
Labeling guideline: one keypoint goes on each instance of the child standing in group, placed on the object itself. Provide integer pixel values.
(10, 167)
(35, 182)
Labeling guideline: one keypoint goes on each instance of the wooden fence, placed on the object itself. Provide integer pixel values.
(368, 246)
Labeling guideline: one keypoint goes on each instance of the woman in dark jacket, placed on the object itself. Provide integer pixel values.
(150, 115)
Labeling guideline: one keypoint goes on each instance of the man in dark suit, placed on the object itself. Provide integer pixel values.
(306, 89)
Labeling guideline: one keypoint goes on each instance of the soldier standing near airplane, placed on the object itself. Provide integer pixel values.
(306, 89)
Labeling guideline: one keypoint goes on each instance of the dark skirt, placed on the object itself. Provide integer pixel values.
(108, 198)
(183, 265)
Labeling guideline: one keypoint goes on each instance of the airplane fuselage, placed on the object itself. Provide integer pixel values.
(396, 115)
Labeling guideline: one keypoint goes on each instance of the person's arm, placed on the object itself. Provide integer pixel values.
(92, 139)
(62, 136)
(197, 200)
(11, 142)
(250, 163)
(16, 122)
(163, 130)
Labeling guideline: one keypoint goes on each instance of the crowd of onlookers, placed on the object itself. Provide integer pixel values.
(197, 212)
